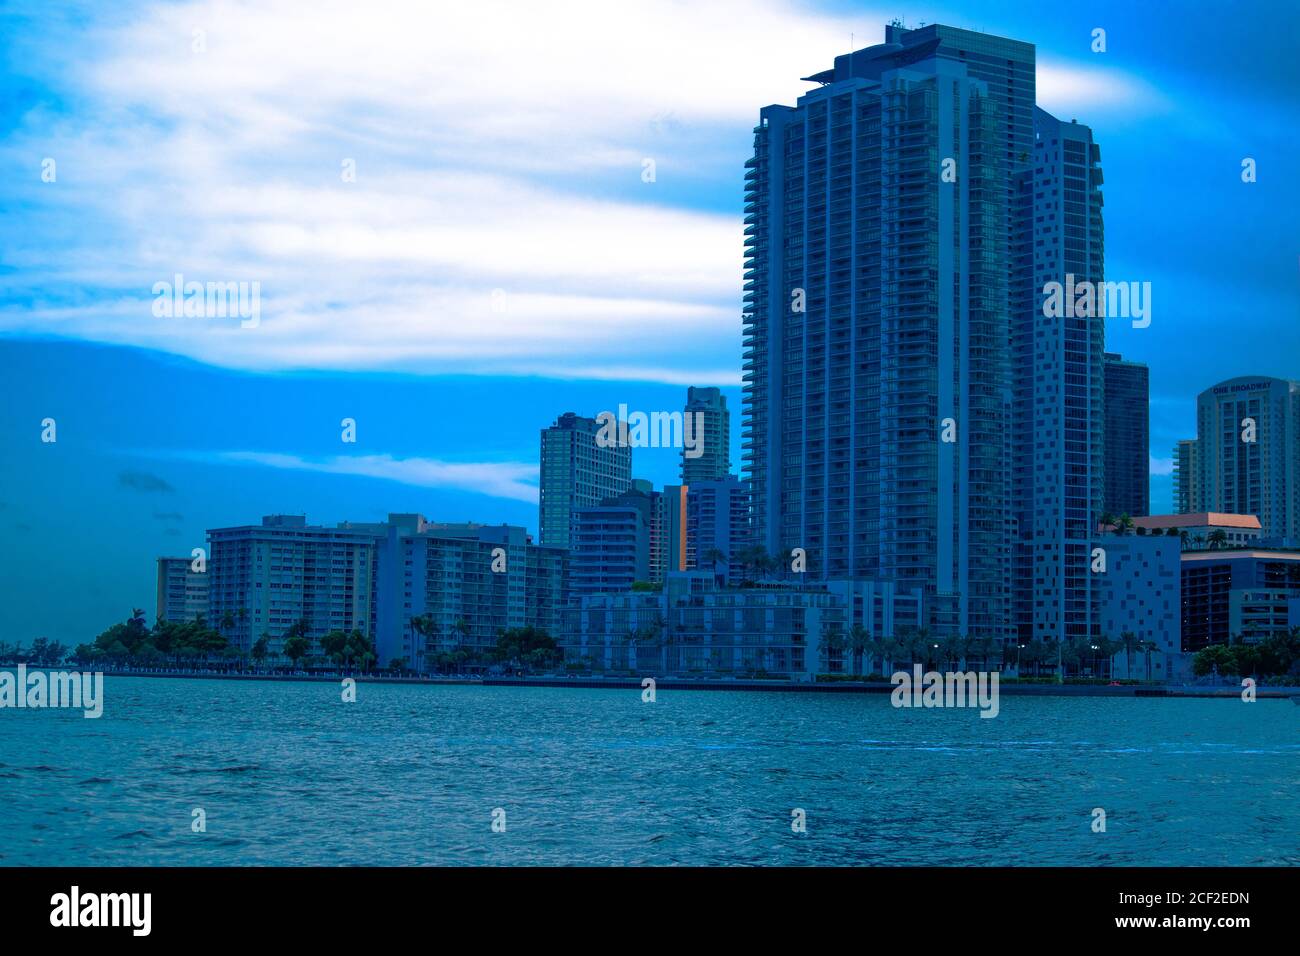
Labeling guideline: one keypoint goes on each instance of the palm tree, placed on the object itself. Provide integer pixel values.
(1123, 524)
(422, 626)
(1218, 539)
(857, 643)
(831, 644)
(1130, 642)
(459, 631)
(1148, 647)
(889, 648)
(921, 645)
(715, 556)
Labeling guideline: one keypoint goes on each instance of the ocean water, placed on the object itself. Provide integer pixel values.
(287, 773)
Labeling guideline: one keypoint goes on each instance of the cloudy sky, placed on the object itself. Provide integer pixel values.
(447, 211)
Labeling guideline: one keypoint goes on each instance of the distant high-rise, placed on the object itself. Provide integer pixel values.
(456, 587)
(717, 515)
(668, 549)
(887, 253)
(713, 462)
(577, 472)
(1187, 477)
(1128, 448)
(1058, 442)
(182, 591)
(268, 577)
(1247, 457)
(611, 542)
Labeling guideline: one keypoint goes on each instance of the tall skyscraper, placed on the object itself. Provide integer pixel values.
(1128, 441)
(886, 235)
(1247, 454)
(714, 461)
(1187, 477)
(1058, 442)
(577, 472)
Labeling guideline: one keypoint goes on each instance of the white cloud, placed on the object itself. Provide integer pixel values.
(1161, 466)
(498, 149)
(504, 479)
(1093, 91)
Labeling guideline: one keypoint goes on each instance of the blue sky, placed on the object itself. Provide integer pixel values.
(498, 257)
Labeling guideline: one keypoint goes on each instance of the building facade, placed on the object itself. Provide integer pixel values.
(717, 518)
(1247, 458)
(1141, 591)
(444, 588)
(611, 543)
(669, 546)
(1187, 477)
(268, 577)
(182, 591)
(1204, 530)
(577, 471)
(1128, 437)
(1058, 377)
(877, 308)
(708, 406)
(1238, 593)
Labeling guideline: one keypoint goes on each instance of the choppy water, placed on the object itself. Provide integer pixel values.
(289, 774)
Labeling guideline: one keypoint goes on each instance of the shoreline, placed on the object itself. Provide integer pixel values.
(1227, 691)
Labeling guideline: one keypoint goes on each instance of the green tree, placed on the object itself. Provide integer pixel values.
(858, 640)
(296, 646)
(261, 647)
(526, 648)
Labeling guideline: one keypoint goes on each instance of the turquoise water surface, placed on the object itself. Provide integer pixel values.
(287, 773)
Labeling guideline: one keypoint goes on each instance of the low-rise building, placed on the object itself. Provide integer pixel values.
(1141, 597)
(1203, 529)
(1243, 592)
(693, 626)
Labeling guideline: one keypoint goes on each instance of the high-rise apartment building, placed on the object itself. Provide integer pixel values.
(708, 407)
(611, 543)
(182, 591)
(717, 516)
(668, 530)
(887, 238)
(578, 471)
(462, 585)
(1128, 437)
(268, 577)
(1246, 458)
(1058, 440)
(1187, 477)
